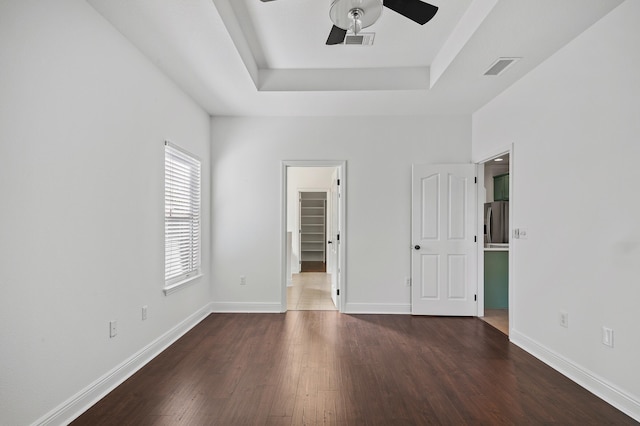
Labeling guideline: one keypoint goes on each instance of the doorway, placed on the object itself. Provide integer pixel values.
(313, 224)
(494, 256)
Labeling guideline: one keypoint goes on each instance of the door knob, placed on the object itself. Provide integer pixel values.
(417, 247)
(329, 242)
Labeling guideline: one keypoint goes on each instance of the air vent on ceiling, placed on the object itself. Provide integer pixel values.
(362, 39)
(501, 65)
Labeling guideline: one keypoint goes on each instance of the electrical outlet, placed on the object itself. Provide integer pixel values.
(113, 328)
(407, 281)
(243, 280)
(607, 336)
(144, 312)
(564, 319)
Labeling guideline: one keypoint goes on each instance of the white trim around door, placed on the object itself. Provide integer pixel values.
(340, 166)
(509, 149)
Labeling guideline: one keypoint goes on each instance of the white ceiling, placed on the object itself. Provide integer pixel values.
(253, 58)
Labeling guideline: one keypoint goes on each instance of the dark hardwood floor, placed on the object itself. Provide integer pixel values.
(322, 367)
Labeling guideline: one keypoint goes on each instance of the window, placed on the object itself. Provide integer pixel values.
(181, 216)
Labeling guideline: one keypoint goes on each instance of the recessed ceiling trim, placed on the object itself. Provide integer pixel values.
(189, 42)
(237, 35)
(465, 29)
(327, 80)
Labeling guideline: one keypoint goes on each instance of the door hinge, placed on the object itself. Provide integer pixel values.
(475, 180)
(338, 236)
(475, 238)
(337, 292)
(338, 182)
(475, 297)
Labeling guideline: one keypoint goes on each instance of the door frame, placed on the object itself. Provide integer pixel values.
(481, 196)
(341, 166)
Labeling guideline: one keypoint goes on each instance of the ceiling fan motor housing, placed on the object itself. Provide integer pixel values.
(345, 13)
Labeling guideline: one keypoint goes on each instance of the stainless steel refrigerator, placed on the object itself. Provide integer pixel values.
(496, 222)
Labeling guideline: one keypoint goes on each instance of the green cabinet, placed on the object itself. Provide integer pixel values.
(496, 279)
(501, 187)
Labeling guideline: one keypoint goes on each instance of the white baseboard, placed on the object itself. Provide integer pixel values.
(585, 378)
(83, 400)
(248, 307)
(377, 308)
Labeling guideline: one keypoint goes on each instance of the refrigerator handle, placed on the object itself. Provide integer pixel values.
(488, 224)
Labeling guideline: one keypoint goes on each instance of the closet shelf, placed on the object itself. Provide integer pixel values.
(313, 211)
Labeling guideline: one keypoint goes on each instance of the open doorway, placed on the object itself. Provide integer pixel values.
(495, 254)
(314, 208)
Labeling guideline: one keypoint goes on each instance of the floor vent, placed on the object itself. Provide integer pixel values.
(362, 39)
(501, 65)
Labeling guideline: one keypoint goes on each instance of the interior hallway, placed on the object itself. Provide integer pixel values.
(311, 291)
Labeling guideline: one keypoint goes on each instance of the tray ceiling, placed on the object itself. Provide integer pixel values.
(254, 58)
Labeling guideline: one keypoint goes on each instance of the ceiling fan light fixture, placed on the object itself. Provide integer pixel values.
(352, 14)
(356, 21)
(362, 39)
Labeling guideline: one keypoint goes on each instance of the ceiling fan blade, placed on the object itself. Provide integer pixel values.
(415, 10)
(336, 36)
(265, 0)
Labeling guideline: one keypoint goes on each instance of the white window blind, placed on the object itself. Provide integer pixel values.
(181, 215)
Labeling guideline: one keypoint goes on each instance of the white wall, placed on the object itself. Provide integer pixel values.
(246, 166)
(302, 179)
(575, 124)
(83, 117)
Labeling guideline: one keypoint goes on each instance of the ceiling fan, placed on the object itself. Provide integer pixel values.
(354, 15)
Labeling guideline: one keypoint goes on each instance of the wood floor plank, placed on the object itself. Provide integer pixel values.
(325, 368)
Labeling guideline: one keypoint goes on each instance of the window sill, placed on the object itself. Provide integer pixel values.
(172, 288)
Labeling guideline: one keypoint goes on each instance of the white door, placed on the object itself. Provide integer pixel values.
(443, 231)
(333, 238)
